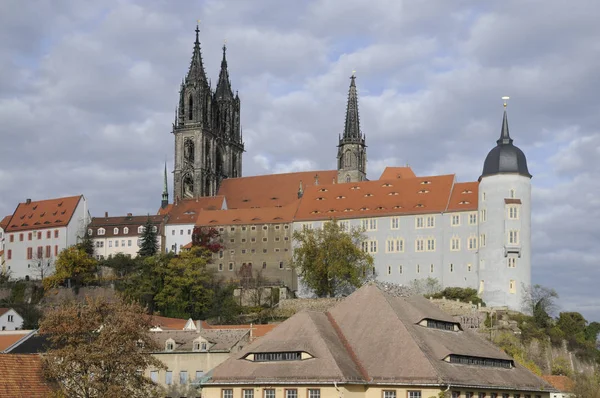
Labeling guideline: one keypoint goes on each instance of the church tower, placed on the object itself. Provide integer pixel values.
(352, 151)
(208, 142)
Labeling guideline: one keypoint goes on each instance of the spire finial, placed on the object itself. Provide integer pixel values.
(504, 134)
(197, 31)
(505, 99)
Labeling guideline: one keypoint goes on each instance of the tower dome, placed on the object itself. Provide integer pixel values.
(505, 158)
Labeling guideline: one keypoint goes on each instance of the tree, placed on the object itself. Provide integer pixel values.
(96, 349)
(186, 290)
(74, 267)
(330, 260)
(149, 240)
(86, 244)
(122, 264)
(540, 302)
(207, 238)
(465, 295)
(586, 386)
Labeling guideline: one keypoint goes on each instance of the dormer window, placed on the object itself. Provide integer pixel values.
(320, 198)
(393, 193)
(203, 346)
(354, 188)
(125, 230)
(467, 191)
(101, 231)
(140, 229)
(90, 232)
(426, 182)
(170, 345)
(387, 184)
(368, 195)
(441, 325)
(464, 202)
(323, 190)
(116, 231)
(479, 361)
(340, 197)
(278, 356)
(424, 191)
(154, 229)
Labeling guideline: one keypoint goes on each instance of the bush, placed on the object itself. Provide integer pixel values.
(562, 367)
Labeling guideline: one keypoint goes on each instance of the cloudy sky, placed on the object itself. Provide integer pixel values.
(88, 92)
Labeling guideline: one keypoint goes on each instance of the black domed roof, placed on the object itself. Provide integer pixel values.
(505, 158)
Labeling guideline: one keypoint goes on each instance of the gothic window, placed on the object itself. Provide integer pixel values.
(219, 163)
(348, 161)
(234, 165)
(188, 187)
(188, 150)
(190, 108)
(207, 153)
(347, 178)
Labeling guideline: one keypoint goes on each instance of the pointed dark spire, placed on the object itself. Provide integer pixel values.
(196, 71)
(504, 135)
(223, 90)
(352, 127)
(165, 193)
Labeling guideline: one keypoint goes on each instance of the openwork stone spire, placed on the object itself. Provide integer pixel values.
(196, 71)
(223, 90)
(352, 127)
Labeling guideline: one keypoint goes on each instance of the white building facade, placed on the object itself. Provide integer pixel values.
(39, 230)
(10, 319)
(476, 235)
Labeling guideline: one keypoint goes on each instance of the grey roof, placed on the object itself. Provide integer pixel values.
(220, 339)
(374, 337)
(505, 157)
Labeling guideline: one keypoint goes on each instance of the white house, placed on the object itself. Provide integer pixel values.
(37, 232)
(122, 234)
(10, 319)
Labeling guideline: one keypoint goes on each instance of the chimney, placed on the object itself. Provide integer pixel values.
(105, 214)
(199, 325)
(28, 201)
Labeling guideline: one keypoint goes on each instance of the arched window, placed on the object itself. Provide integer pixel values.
(116, 231)
(140, 229)
(348, 161)
(347, 178)
(125, 230)
(190, 108)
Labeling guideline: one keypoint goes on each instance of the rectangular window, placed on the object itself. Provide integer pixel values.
(420, 245)
(29, 236)
(482, 240)
(400, 269)
(481, 395)
(55, 250)
(512, 262)
(512, 286)
(12, 238)
(469, 267)
(21, 238)
(472, 243)
(513, 237)
(48, 234)
(389, 270)
(40, 251)
(314, 393)
(430, 221)
(344, 226)
(291, 393)
(414, 394)
(199, 374)
(39, 235)
(513, 212)
(173, 232)
(473, 219)
(154, 376)
(56, 233)
(169, 377)
(419, 222)
(230, 266)
(116, 243)
(418, 268)
(395, 223)
(249, 393)
(129, 242)
(455, 394)
(373, 246)
(220, 267)
(455, 244)
(431, 244)
(29, 253)
(389, 394)
(455, 220)
(269, 393)
(183, 377)
(483, 216)
(9, 254)
(431, 268)
(48, 251)
(227, 393)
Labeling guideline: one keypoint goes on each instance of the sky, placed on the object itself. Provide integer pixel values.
(88, 92)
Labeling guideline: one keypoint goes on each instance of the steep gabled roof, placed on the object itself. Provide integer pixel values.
(22, 376)
(377, 336)
(464, 196)
(5, 221)
(49, 213)
(270, 190)
(263, 215)
(394, 173)
(309, 332)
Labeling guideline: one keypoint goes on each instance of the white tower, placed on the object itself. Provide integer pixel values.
(504, 223)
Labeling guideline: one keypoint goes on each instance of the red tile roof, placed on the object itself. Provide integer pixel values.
(187, 211)
(420, 195)
(21, 376)
(270, 190)
(167, 323)
(393, 173)
(131, 222)
(50, 213)
(5, 221)
(561, 383)
(257, 330)
(9, 338)
(266, 215)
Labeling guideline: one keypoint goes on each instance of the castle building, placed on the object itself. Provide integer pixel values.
(473, 234)
(207, 130)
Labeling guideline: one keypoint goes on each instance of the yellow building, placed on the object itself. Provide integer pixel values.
(380, 342)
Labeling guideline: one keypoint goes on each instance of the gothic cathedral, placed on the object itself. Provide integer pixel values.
(208, 139)
(352, 150)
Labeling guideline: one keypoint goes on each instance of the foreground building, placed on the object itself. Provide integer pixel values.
(39, 230)
(416, 351)
(10, 319)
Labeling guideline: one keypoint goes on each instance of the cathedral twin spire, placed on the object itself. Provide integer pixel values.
(352, 126)
(352, 151)
(196, 71)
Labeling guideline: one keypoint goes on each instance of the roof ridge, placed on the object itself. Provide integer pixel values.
(348, 347)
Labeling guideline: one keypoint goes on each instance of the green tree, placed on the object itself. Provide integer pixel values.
(145, 280)
(540, 302)
(187, 288)
(122, 264)
(330, 260)
(591, 332)
(73, 268)
(97, 349)
(149, 240)
(225, 308)
(464, 295)
(86, 244)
